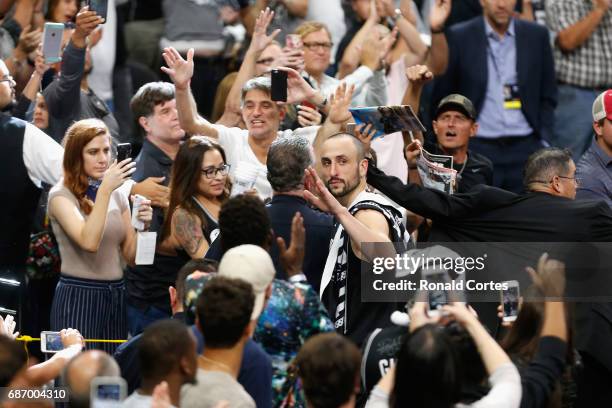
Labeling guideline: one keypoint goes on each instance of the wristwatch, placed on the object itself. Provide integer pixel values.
(398, 14)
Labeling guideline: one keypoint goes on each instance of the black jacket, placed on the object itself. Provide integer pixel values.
(490, 214)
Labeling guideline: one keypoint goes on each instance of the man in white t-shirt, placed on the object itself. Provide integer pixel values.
(247, 149)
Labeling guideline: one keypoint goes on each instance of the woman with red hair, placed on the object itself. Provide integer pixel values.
(92, 223)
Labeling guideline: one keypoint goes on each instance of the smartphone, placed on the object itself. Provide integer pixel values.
(52, 42)
(279, 85)
(293, 41)
(350, 128)
(123, 151)
(107, 392)
(438, 297)
(99, 6)
(510, 300)
(50, 342)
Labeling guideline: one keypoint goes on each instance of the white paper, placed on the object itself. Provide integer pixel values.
(145, 247)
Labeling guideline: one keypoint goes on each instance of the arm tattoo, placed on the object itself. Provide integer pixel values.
(187, 230)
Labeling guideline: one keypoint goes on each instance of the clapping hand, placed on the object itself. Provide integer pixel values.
(292, 258)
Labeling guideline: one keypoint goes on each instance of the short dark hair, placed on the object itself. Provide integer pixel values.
(161, 348)
(426, 372)
(244, 220)
(288, 157)
(356, 142)
(12, 359)
(546, 163)
(148, 96)
(328, 365)
(224, 310)
(193, 265)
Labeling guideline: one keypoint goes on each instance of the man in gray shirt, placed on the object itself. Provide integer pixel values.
(224, 316)
(594, 170)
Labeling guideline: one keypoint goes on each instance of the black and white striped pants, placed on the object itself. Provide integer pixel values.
(95, 308)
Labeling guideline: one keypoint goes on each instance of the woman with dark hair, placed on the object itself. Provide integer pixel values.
(426, 357)
(91, 221)
(199, 185)
(427, 373)
(61, 11)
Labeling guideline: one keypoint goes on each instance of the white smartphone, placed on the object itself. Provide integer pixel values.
(510, 301)
(52, 42)
(107, 392)
(438, 297)
(50, 342)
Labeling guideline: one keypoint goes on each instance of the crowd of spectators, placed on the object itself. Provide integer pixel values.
(222, 263)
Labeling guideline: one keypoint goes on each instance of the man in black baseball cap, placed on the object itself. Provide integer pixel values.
(454, 124)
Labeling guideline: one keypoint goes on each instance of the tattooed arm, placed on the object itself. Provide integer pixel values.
(187, 231)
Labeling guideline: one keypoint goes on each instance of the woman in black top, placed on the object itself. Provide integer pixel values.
(199, 184)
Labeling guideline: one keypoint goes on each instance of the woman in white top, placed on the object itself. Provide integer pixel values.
(92, 223)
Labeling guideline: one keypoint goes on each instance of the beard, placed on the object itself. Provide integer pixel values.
(348, 186)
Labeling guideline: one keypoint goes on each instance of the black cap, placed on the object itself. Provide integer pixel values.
(459, 103)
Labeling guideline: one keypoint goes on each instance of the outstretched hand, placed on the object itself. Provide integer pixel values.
(260, 39)
(549, 277)
(318, 195)
(340, 103)
(180, 70)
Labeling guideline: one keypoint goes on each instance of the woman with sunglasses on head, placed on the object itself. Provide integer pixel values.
(92, 223)
(199, 184)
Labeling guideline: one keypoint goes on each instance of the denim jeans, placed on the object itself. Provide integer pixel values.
(574, 119)
(139, 319)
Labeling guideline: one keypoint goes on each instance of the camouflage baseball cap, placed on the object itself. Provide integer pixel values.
(457, 102)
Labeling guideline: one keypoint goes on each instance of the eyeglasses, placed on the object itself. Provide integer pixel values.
(312, 46)
(8, 79)
(211, 172)
(577, 181)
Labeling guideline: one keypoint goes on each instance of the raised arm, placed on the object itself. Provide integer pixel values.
(365, 226)
(352, 54)
(338, 115)
(180, 70)
(259, 42)
(63, 95)
(493, 356)
(437, 59)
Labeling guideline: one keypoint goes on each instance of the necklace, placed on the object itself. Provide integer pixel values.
(217, 363)
(463, 167)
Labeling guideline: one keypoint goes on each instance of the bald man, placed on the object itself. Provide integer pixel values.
(82, 369)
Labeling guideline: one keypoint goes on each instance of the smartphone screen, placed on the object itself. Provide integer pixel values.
(279, 85)
(123, 151)
(510, 301)
(52, 342)
(437, 297)
(109, 392)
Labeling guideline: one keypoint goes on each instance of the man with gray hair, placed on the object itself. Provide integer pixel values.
(80, 372)
(247, 149)
(288, 157)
